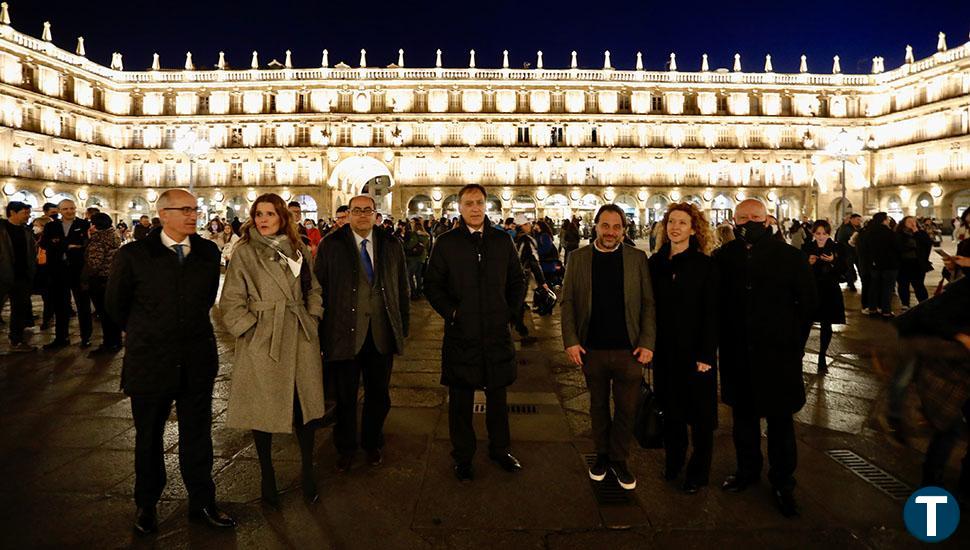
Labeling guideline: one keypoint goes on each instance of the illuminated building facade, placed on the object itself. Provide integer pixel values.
(546, 141)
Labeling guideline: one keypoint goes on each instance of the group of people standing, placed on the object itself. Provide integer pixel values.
(689, 314)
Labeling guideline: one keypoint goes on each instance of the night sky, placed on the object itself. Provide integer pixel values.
(855, 30)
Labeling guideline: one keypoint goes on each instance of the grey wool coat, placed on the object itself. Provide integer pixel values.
(277, 347)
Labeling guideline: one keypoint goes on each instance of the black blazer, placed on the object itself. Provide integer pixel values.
(164, 309)
(56, 243)
(337, 269)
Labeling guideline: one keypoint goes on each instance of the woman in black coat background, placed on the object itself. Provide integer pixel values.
(914, 260)
(685, 289)
(829, 264)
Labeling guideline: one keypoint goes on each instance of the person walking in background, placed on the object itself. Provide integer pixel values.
(142, 228)
(64, 242)
(416, 249)
(609, 331)
(474, 281)
(850, 226)
(914, 246)
(230, 238)
(829, 263)
(18, 263)
(98, 256)
(882, 255)
(271, 304)
(160, 291)
(685, 281)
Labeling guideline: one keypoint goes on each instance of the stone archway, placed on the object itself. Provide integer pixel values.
(361, 175)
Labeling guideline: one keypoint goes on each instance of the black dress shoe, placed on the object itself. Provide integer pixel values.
(269, 495)
(785, 501)
(736, 483)
(212, 516)
(464, 472)
(85, 344)
(375, 457)
(146, 522)
(56, 345)
(692, 487)
(344, 462)
(105, 350)
(508, 462)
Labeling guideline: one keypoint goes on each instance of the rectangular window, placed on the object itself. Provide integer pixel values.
(137, 139)
(235, 139)
(204, 105)
(378, 136)
(302, 136)
(138, 173)
(344, 136)
(523, 136)
(656, 104)
(170, 173)
(235, 172)
(169, 138)
(624, 105)
(556, 137)
(558, 102)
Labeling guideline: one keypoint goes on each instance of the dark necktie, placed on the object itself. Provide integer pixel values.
(368, 264)
(179, 252)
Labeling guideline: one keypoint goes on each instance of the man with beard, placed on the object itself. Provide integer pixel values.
(474, 281)
(767, 299)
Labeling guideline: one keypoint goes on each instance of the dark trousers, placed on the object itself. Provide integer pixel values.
(865, 280)
(850, 275)
(63, 286)
(416, 275)
(881, 285)
(675, 449)
(617, 370)
(19, 295)
(914, 276)
(194, 411)
(461, 402)
(110, 331)
(938, 454)
(375, 367)
(782, 452)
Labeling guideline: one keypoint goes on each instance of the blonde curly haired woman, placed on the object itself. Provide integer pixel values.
(684, 280)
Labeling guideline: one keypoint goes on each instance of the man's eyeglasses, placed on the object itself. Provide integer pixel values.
(185, 210)
(362, 211)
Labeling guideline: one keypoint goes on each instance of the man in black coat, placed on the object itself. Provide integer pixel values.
(882, 255)
(18, 263)
(767, 298)
(64, 241)
(366, 311)
(474, 281)
(160, 291)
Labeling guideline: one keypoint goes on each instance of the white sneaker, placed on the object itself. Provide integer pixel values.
(866, 311)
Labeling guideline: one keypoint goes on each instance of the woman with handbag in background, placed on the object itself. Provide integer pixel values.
(684, 280)
(272, 304)
(103, 242)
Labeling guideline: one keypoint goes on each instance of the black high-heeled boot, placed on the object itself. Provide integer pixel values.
(305, 436)
(264, 450)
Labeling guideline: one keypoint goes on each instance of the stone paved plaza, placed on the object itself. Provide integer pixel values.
(67, 463)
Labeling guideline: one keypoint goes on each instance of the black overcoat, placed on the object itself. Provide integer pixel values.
(828, 276)
(685, 294)
(767, 299)
(164, 308)
(477, 286)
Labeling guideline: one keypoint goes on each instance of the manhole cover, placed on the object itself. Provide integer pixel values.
(607, 492)
(480, 408)
(871, 474)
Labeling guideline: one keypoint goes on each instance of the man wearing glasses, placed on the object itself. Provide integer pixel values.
(366, 311)
(475, 282)
(160, 291)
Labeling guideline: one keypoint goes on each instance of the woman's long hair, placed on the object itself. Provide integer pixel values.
(698, 222)
(287, 227)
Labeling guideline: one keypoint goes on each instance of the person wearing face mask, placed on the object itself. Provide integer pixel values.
(313, 234)
(685, 291)
(767, 299)
(829, 263)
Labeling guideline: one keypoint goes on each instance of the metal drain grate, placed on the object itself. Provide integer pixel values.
(608, 492)
(871, 474)
(479, 408)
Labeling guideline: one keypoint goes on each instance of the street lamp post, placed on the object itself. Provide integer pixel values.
(191, 145)
(843, 148)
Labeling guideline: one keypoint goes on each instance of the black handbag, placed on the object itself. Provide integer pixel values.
(649, 420)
